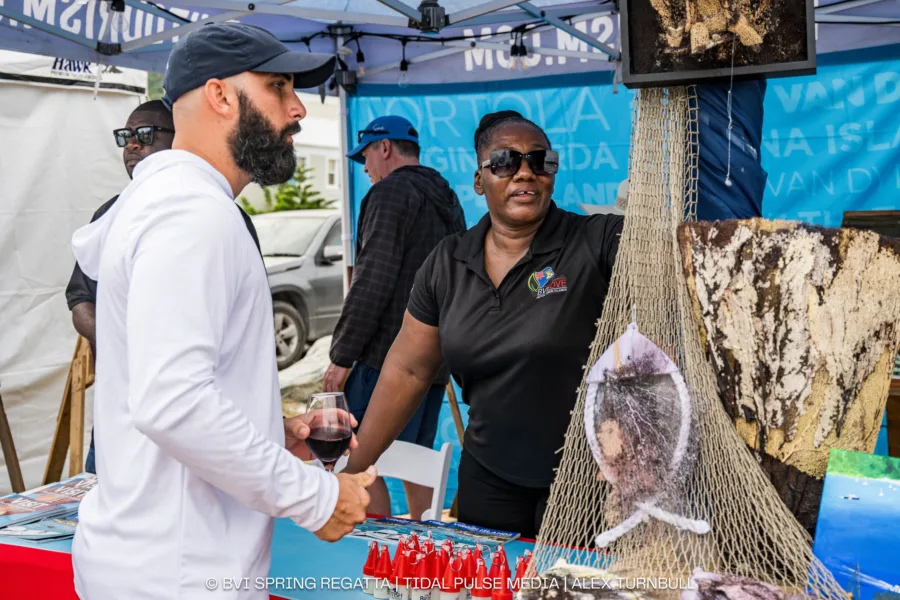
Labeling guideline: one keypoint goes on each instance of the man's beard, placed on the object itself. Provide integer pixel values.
(259, 150)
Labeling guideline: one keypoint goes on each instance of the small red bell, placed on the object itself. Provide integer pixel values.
(483, 585)
(501, 590)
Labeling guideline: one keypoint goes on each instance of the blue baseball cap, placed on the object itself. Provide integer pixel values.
(220, 50)
(383, 128)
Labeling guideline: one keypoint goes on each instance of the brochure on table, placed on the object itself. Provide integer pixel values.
(44, 513)
(389, 530)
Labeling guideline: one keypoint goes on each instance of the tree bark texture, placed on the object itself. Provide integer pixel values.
(802, 326)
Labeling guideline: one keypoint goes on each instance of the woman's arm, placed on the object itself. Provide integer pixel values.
(408, 371)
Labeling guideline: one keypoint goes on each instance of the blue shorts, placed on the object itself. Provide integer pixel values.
(422, 427)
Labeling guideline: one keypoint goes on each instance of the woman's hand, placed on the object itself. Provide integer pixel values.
(296, 430)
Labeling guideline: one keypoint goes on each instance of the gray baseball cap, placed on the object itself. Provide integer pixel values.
(221, 50)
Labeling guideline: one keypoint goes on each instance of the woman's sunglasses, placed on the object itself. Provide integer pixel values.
(506, 163)
(143, 134)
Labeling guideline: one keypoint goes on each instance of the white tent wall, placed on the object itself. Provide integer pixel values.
(58, 164)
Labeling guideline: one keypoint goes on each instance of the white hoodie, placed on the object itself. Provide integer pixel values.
(191, 461)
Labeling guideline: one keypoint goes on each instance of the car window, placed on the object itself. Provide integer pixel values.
(290, 236)
(334, 236)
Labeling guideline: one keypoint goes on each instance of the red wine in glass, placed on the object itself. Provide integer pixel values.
(329, 444)
(329, 427)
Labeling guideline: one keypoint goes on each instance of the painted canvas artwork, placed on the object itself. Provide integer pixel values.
(858, 532)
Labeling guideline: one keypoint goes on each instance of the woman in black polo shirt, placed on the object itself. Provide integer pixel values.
(511, 306)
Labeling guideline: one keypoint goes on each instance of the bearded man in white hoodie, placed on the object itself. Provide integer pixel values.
(197, 458)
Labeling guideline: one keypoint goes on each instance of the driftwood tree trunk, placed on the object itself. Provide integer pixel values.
(801, 326)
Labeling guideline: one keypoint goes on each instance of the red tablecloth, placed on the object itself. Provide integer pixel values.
(35, 574)
(32, 572)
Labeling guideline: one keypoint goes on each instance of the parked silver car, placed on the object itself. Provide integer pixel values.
(304, 260)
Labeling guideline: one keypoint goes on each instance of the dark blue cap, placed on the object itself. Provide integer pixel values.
(383, 128)
(221, 50)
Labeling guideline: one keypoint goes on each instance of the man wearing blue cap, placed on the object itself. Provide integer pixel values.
(196, 458)
(409, 209)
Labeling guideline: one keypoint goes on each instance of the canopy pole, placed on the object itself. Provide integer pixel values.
(503, 17)
(316, 14)
(560, 24)
(346, 212)
(856, 20)
(412, 61)
(843, 6)
(462, 46)
(168, 34)
(543, 51)
(51, 29)
(402, 8)
(479, 10)
(156, 11)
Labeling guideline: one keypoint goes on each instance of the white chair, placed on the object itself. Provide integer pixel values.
(424, 466)
(416, 464)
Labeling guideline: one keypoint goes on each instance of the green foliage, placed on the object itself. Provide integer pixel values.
(859, 464)
(154, 86)
(248, 208)
(296, 194)
(886, 596)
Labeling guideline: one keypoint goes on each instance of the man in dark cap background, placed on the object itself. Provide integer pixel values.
(409, 209)
(148, 129)
(196, 458)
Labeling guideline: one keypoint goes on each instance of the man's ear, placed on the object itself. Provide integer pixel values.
(221, 97)
(387, 148)
(478, 187)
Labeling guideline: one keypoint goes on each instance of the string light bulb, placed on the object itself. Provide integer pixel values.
(523, 55)
(513, 57)
(360, 60)
(403, 80)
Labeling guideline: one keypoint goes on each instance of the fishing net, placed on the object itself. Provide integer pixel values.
(687, 497)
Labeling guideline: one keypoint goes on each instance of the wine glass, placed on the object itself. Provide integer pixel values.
(330, 432)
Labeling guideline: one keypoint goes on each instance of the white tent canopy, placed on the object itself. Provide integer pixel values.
(444, 40)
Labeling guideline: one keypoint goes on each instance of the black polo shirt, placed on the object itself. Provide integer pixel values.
(82, 288)
(518, 351)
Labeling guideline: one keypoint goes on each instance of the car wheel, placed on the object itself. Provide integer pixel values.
(290, 334)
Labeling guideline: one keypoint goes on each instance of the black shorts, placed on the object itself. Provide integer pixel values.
(490, 501)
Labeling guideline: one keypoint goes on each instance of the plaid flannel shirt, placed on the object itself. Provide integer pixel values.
(402, 219)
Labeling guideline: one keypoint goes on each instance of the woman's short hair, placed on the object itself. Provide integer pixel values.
(491, 121)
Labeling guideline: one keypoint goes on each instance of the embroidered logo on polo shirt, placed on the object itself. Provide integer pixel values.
(545, 282)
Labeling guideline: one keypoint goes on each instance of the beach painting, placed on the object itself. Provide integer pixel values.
(858, 533)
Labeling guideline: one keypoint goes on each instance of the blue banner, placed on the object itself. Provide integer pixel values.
(831, 143)
(589, 126)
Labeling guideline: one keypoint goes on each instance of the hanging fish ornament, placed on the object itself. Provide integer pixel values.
(638, 424)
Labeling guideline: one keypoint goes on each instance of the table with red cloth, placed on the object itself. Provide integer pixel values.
(302, 567)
